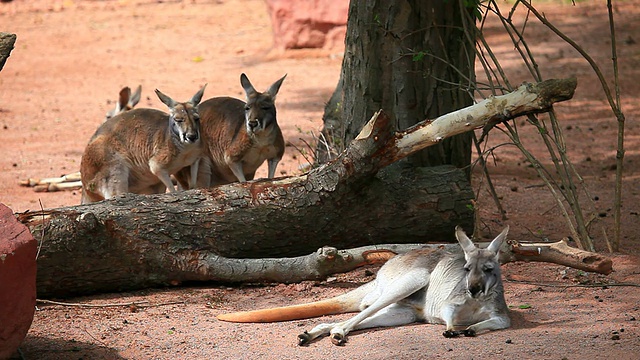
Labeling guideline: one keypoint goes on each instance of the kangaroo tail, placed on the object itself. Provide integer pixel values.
(348, 302)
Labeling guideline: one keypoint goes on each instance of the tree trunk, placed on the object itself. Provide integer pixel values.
(412, 58)
(6, 45)
(136, 241)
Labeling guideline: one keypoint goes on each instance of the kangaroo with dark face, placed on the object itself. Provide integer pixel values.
(239, 136)
(462, 290)
(136, 151)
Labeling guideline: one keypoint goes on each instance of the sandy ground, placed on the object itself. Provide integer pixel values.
(71, 59)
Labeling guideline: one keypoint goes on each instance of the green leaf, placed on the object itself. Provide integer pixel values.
(419, 56)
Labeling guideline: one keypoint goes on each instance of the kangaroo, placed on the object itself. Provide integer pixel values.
(137, 150)
(238, 137)
(126, 101)
(72, 181)
(462, 290)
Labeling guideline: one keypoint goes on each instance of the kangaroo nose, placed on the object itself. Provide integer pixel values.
(254, 123)
(191, 137)
(476, 290)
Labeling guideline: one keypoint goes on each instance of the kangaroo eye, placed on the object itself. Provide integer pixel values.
(487, 268)
(467, 268)
(247, 108)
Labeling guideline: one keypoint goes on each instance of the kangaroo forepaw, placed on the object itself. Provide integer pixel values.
(451, 333)
(338, 339)
(304, 339)
(469, 332)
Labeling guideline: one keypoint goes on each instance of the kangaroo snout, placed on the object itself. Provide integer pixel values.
(476, 290)
(254, 124)
(190, 138)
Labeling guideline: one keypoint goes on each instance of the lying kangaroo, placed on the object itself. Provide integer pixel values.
(137, 151)
(462, 290)
(238, 137)
(126, 101)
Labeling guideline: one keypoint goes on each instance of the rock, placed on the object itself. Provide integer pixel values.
(17, 282)
(299, 24)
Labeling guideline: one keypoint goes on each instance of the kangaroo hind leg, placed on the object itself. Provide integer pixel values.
(390, 292)
(114, 181)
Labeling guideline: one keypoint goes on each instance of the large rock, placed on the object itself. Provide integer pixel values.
(301, 24)
(17, 282)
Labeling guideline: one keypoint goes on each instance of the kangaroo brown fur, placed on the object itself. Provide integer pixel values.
(136, 151)
(239, 136)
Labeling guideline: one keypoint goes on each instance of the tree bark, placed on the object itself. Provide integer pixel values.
(137, 241)
(6, 45)
(413, 58)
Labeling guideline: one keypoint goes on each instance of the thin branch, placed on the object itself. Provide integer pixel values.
(564, 286)
(137, 304)
(615, 245)
(86, 305)
(487, 176)
(43, 230)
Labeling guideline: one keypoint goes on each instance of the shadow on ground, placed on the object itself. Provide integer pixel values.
(42, 348)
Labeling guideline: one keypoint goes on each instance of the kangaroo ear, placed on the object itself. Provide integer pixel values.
(463, 239)
(497, 242)
(165, 99)
(123, 99)
(195, 100)
(275, 87)
(135, 98)
(246, 85)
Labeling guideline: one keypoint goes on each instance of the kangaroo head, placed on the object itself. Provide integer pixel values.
(260, 109)
(126, 101)
(482, 268)
(184, 118)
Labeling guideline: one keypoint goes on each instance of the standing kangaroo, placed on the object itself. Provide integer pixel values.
(462, 290)
(126, 101)
(238, 137)
(137, 151)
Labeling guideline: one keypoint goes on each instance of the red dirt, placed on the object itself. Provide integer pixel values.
(71, 58)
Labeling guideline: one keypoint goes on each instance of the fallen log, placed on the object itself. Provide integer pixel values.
(136, 241)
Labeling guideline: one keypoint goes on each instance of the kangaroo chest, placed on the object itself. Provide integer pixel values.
(256, 155)
(260, 148)
(446, 293)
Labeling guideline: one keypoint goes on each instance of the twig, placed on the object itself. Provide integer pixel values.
(139, 304)
(43, 229)
(485, 170)
(136, 303)
(163, 304)
(565, 286)
(322, 139)
(94, 338)
(615, 107)
(549, 209)
(620, 153)
(302, 152)
(606, 239)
